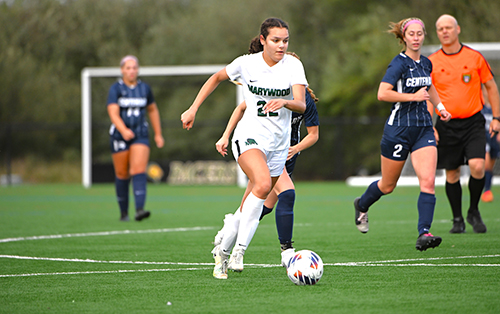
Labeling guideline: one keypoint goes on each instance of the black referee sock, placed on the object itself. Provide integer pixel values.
(454, 194)
(475, 189)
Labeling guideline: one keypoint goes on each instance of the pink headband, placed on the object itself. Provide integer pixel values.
(412, 21)
(127, 58)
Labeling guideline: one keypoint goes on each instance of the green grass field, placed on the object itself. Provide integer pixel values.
(64, 250)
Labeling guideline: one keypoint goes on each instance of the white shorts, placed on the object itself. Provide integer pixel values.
(275, 160)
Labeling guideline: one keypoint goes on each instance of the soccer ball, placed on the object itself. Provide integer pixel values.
(305, 268)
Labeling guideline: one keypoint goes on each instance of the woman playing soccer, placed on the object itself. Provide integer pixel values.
(273, 87)
(407, 85)
(284, 189)
(129, 100)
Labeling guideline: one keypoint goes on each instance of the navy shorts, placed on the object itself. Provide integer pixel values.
(118, 144)
(460, 140)
(290, 164)
(398, 141)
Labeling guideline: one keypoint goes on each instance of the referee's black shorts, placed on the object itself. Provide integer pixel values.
(460, 140)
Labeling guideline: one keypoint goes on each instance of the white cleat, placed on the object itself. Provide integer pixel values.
(221, 261)
(236, 260)
(286, 255)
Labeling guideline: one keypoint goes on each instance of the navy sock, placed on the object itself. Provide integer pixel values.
(371, 195)
(265, 210)
(284, 215)
(488, 176)
(121, 188)
(426, 204)
(139, 186)
(454, 194)
(475, 190)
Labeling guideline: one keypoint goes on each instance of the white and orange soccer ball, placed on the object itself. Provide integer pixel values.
(305, 268)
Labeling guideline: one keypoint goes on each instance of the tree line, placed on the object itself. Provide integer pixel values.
(45, 44)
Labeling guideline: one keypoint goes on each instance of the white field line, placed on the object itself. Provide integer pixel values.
(392, 263)
(103, 233)
(103, 272)
(413, 260)
(78, 260)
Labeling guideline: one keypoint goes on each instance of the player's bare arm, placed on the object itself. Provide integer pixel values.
(297, 104)
(114, 115)
(154, 117)
(436, 102)
(309, 140)
(210, 85)
(494, 97)
(386, 93)
(236, 116)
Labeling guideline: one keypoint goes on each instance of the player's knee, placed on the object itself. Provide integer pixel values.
(427, 185)
(122, 174)
(262, 189)
(477, 170)
(453, 176)
(387, 189)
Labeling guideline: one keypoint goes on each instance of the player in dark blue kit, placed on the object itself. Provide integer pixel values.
(492, 150)
(129, 100)
(407, 85)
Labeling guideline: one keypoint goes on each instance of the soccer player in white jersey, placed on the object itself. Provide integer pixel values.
(407, 85)
(283, 192)
(273, 87)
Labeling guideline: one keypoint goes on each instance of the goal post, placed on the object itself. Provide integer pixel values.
(86, 86)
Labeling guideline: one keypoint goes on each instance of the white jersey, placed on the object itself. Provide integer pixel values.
(261, 83)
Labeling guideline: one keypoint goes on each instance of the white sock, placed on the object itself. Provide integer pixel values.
(252, 209)
(230, 232)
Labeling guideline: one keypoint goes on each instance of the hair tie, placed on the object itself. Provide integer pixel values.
(127, 58)
(411, 21)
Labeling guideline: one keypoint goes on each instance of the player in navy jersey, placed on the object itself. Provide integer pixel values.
(129, 100)
(407, 85)
(492, 150)
(284, 190)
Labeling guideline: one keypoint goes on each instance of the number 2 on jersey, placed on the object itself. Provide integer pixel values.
(260, 113)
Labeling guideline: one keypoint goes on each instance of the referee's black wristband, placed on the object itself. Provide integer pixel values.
(496, 118)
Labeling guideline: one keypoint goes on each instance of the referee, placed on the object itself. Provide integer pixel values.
(458, 74)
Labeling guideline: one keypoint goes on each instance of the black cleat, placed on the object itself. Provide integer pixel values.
(426, 241)
(124, 217)
(474, 218)
(361, 219)
(142, 214)
(287, 245)
(458, 225)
